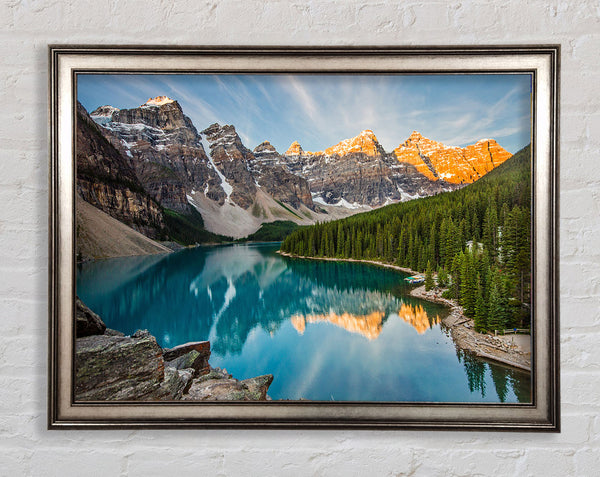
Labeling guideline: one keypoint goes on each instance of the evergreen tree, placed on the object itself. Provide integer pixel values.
(442, 242)
(480, 317)
(331, 246)
(402, 245)
(429, 282)
(421, 264)
(379, 241)
(410, 254)
(475, 227)
(432, 244)
(391, 246)
(455, 268)
(324, 248)
(348, 247)
(452, 245)
(468, 287)
(341, 246)
(490, 229)
(442, 278)
(496, 310)
(312, 250)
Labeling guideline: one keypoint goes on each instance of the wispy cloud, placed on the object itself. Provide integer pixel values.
(302, 97)
(193, 104)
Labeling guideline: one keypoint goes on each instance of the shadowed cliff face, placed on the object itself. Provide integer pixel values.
(107, 181)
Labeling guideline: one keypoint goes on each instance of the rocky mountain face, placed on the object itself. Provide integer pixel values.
(210, 170)
(273, 175)
(455, 165)
(173, 160)
(164, 148)
(230, 159)
(358, 171)
(106, 180)
(236, 189)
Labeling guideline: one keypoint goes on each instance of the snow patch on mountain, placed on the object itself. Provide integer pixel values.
(405, 197)
(341, 203)
(344, 203)
(226, 186)
(103, 114)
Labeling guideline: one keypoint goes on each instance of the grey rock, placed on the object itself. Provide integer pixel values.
(175, 383)
(268, 166)
(194, 360)
(202, 347)
(216, 386)
(165, 150)
(258, 386)
(232, 159)
(172, 245)
(88, 323)
(112, 368)
(142, 334)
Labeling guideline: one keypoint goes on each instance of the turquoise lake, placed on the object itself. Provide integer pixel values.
(325, 330)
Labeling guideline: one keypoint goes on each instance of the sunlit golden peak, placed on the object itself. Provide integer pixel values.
(295, 149)
(158, 101)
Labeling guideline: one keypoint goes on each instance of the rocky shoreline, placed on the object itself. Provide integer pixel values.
(463, 333)
(328, 259)
(110, 366)
(461, 328)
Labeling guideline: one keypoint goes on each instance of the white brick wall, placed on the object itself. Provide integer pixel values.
(28, 26)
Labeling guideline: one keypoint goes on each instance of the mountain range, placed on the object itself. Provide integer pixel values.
(150, 168)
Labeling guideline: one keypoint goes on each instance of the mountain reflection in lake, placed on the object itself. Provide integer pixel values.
(325, 330)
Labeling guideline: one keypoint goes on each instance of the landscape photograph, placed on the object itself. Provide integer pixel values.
(303, 237)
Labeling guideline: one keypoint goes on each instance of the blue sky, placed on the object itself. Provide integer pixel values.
(320, 110)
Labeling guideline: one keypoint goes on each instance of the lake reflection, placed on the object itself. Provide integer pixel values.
(325, 330)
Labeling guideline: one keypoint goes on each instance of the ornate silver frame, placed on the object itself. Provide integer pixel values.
(542, 61)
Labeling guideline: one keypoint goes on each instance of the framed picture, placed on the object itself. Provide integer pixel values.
(304, 237)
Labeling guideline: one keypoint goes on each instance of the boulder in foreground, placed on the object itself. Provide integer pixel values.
(220, 386)
(117, 368)
(87, 322)
(112, 367)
